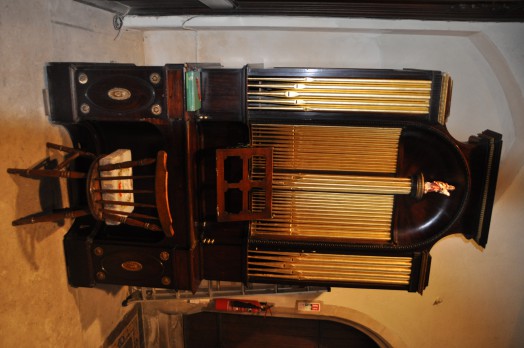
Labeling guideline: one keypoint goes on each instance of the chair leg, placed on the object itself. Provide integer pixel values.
(42, 163)
(68, 160)
(46, 173)
(70, 150)
(37, 166)
(35, 172)
(55, 215)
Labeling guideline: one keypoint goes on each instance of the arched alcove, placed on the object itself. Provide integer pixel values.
(175, 323)
(481, 58)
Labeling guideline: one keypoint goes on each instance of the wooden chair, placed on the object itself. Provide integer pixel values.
(153, 214)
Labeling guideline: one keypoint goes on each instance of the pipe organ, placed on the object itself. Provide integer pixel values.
(319, 187)
(339, 94)
(332, 177)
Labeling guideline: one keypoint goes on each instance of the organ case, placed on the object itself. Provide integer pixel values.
(334, 177)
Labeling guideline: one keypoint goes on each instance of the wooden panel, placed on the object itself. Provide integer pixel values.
(222, 262)
(187, 263)
(109, 92)
(223, 94)
(201, 330)
(175, 91)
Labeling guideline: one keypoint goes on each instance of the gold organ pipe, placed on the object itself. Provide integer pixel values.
(332, 258)
(331, 232)
(330, 267)
(360, 149)
(354, 232)
(326, 215)
(335, 198)
(328, 106)
(338, 271)
(302, 267)
(299, 225)
(305, 129)
(339, 94)
(339, 109)
(343, 103)
(291, 216)
(447, 85)
(341, 80)
(326, 221)
(343, 87)
(323, 227)
(335, 94)
(291, 267)
(285, 267)
(347, 165)
(312, 143)
(377, 139)
(294, 148)
(339, 183)
(330, 200)
(332, 278)
(327, 234)
(356, 221)
(321, 131)
(328, 206)
(303, 140)
(356, 102)
(296, 227)
(325, 206)
(322, 214)
(327, 211)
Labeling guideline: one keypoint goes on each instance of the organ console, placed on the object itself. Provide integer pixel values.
(332, 177)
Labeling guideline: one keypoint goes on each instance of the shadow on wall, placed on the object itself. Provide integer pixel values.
(514, 160)
(88, 303)
(518, 334)
(42, 195)
(49, 193)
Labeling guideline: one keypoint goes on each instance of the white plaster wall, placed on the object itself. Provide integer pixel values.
(475, 297)
(37, 307)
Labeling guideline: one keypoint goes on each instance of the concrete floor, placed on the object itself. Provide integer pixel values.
(38, 308)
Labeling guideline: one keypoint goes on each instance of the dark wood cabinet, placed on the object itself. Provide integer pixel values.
(354, 158)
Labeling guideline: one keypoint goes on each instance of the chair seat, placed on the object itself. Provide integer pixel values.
(121, 211)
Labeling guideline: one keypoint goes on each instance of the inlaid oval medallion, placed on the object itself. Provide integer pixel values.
(119, 93)
(132, 266)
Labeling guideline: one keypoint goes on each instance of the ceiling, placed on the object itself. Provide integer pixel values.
(448, 10)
